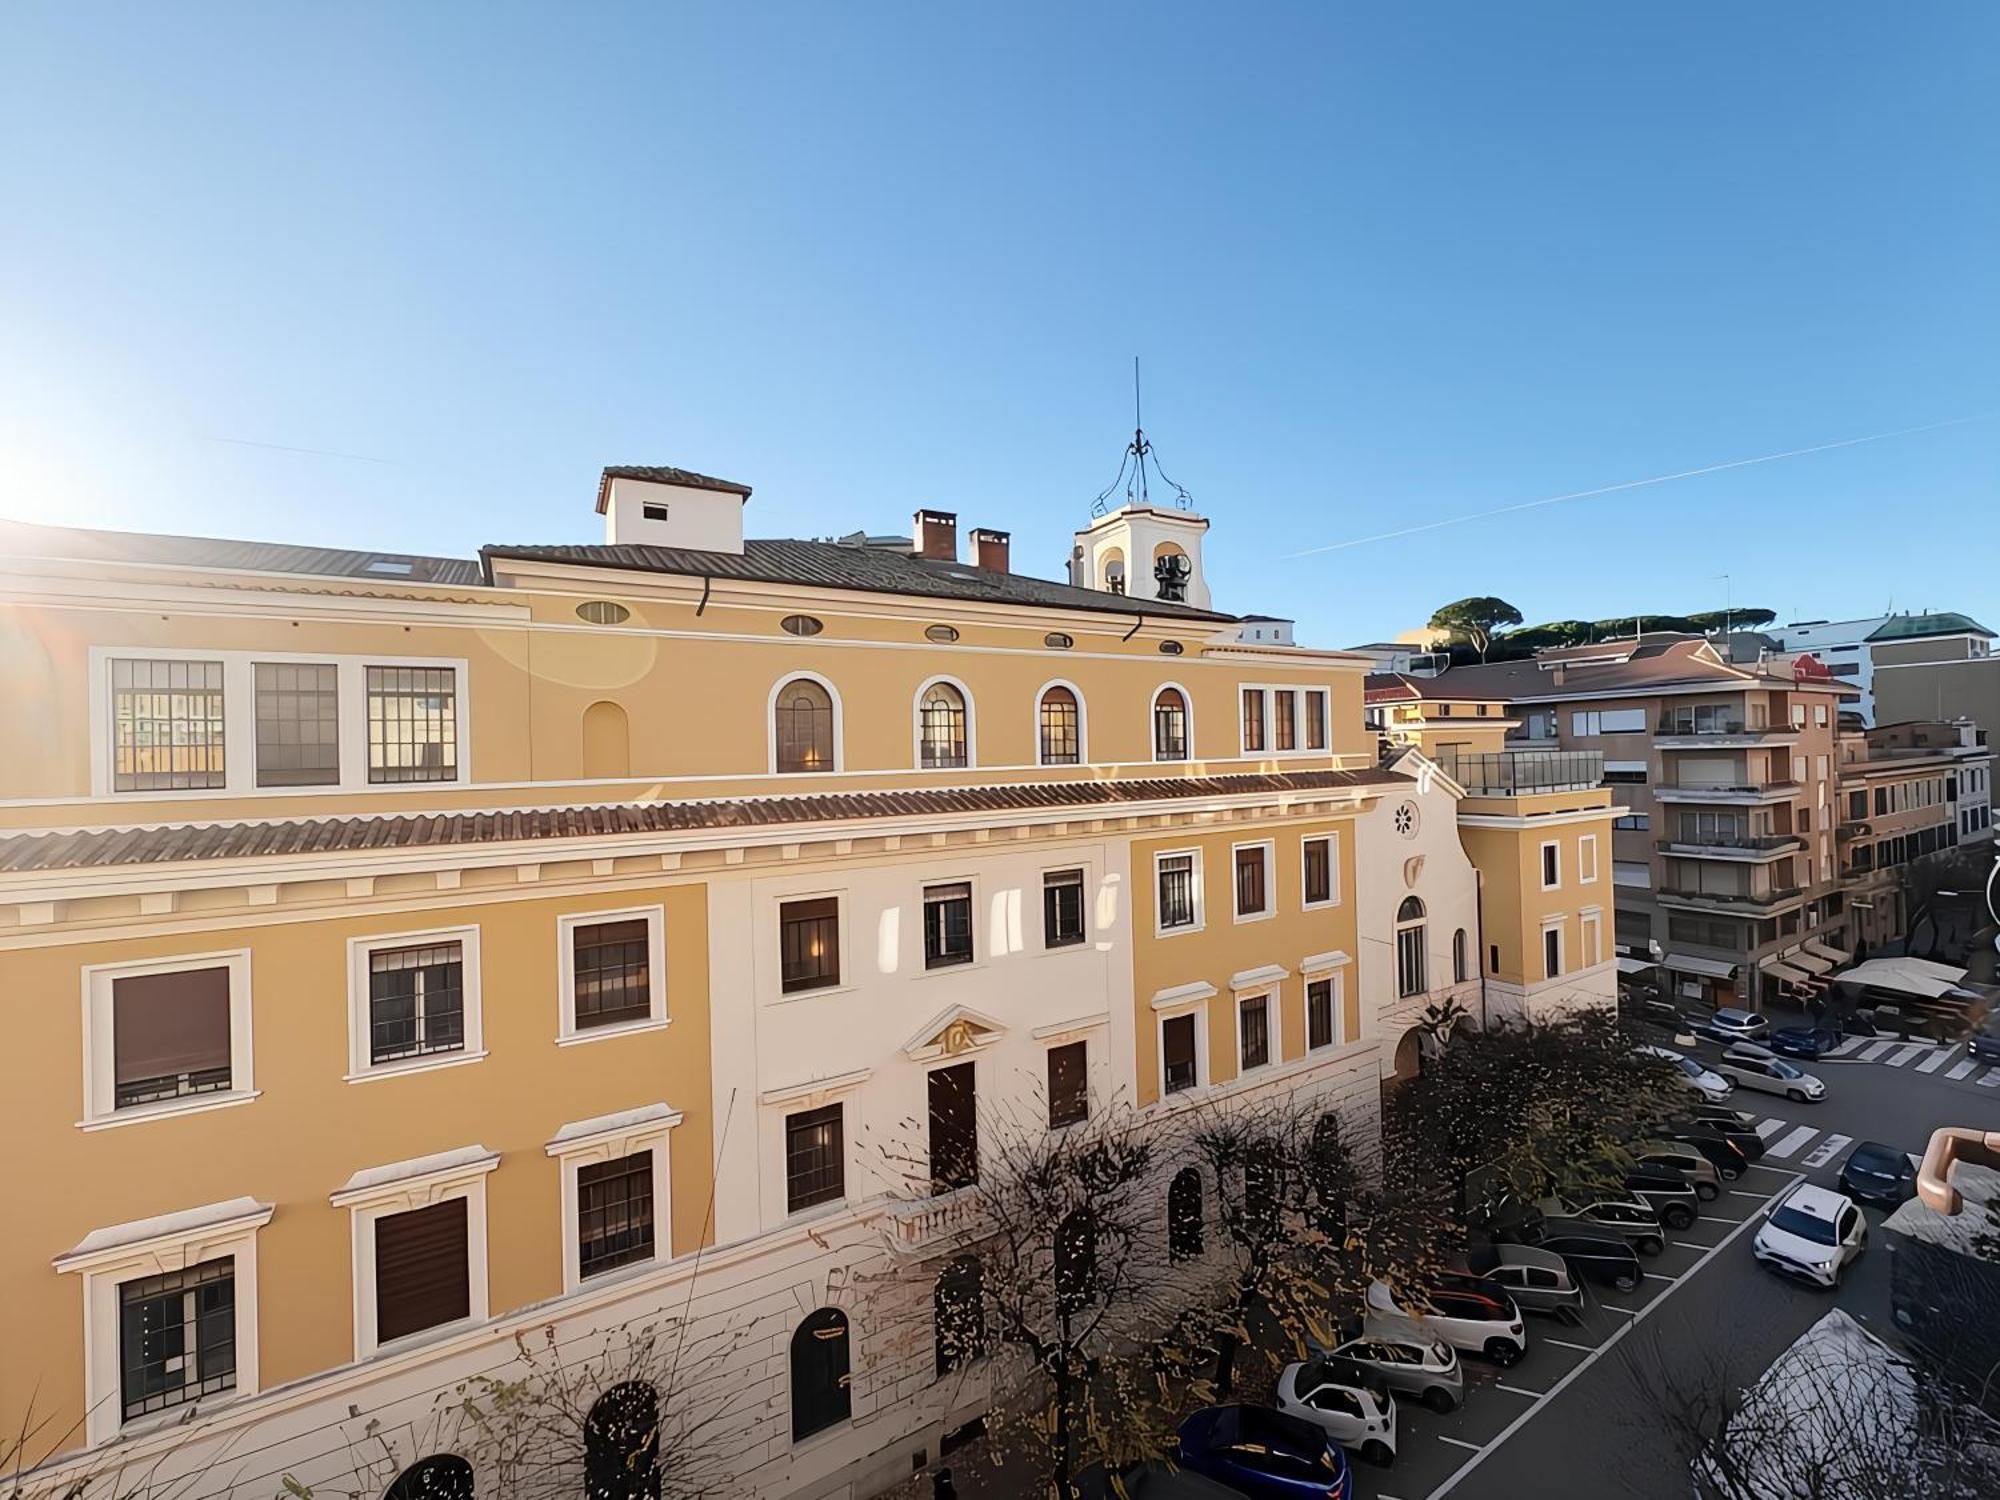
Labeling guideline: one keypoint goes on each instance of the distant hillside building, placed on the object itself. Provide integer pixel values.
(1854, 649)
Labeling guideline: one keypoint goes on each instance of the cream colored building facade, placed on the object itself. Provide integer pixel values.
(408, 956)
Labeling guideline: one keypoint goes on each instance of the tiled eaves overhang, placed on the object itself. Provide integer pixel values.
(544, 832)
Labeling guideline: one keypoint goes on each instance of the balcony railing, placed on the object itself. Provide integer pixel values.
(1512, 773)
(1735, 900)
(1756, 843)
(1691, 728)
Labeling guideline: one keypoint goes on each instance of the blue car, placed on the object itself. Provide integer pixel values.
(1879, 1174)
(1265, 1453)
(1804, 1041)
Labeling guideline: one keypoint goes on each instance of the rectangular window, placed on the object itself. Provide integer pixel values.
(947, 925)
(1635, 929)
(1253, 720)
(1819, 715)
(1857, 806)
(1284, 725)
(815, 1158)
(1177, 892)
(1177, 1049)
(1552, 952)
(954, 1128)
(1593, 941)
(1881, 800)
(1586, 859)
(1551, 866)
(166, 725)
(1411, 962)
(1069, 1084)
(1252, 888)
(298, 724)
(1633, 823)
(422, 1270)
(612, 964)
(1624, 775)
(1315, 718)
(1319, 1013)
(1062, 908)
(416, 1001)
(1805, 820)
(177, 1337)
(1253, 1021)
(614, 1213)
(1318, 871)
(412, 724)
(170, 1035)
(809, 944)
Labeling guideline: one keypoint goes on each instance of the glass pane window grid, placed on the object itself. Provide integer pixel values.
(614, 1210)
(1062, 908)
(1319, 1013)
(947, 925)
(1284, 728)
(805, 728)
(1250, 891)
(1410, 961)
(177, 1337)
(1254, 1022)
(814, 1169)
(613, 974)
(298, 723)
(1253, 718)
(1060, 743)
(1169, 727)
(1316, 720)
(809, 944)
(1318, 870)
(943, 729)
(416, 1001)
(167, 725)
(412, 724)
(1177, 891)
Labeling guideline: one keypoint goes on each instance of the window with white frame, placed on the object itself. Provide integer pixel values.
(1552, 951)
(612, 971)
(1323, 1001)
(1819, 715)
(1586, 859)
(941, 722)
(1178, 883)
(1593, 939)
(1412, 956)
(1253, 720)
(1313, 702)
(1170, 725)
(412, 724)
(1319, 861)
(1551, 866)
(1253, 881)
(1180, 1052)
(167, 725)
(419, 1246)
(298, 723)
(1584, 723)
(616, 1192)
(1253, 1032)
(413, 1001)
(163, 1036)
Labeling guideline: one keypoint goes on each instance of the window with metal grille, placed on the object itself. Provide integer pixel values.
(416, 1001)
(298, 724)
(954, 1102)
(177, 1337)
(1178, 1054)
(1062, 908)
(1284, 723)
(412, 724)
(815, 1161)
(422, 1273)
(820, 1394)
(1061, 745)
(614, 1213)
(613, 974)
(1177, 905)
(169, 1036)
(1184, 1215)
(166, 725)
(947, 925)
(1253, 719)
(958, 1313)
(1170, 725)
(803, 724)
(941, 727)
(1318, 871)
(809, 944)
(1253, 1020)
(1069, 1084)
(1319, 1013)
(1251, 892)
(1316, 719)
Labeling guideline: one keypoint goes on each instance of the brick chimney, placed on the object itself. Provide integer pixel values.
(936, 534)
(989, 549)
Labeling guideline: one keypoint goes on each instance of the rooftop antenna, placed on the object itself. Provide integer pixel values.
(1132, 467)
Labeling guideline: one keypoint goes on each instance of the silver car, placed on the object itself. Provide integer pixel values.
(1684, 1159)
(1628, 1216)
(1538, 1280)
(1760, 1068)
(1430, 1372)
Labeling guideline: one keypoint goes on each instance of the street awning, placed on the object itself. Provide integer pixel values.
(1712, 968)
(1812, 963)
(1827, 951)
(1635, 965)
(1778, 969)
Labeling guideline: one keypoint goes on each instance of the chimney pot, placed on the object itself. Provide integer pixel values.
(989, 549)
(936, 533)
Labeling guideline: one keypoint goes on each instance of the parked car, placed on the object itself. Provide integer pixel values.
(1670, 1196)
(1427, 1369)
(1711, 1085)
(1813, 1235)
(1644, 1005)
(1984, 1045)
(1597, 1255)
(1149, 1479)
(1731, 1025)
(1878, 1174)
(1265, 1453)
(1858, 1022)
(1470, 1322)
(1724, 1153)
(1354, 1416)
(1758, 1068)
(1538, 1280)
(1678, 1156)
(1630, 1217)
(1734, 1123)
(1809, 1042)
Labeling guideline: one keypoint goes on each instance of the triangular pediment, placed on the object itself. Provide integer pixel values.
(955, 1030)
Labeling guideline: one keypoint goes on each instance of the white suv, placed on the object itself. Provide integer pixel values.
(1711, 1085)
(1812, 1234)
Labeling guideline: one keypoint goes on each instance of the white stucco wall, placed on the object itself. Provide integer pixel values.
(706, 520)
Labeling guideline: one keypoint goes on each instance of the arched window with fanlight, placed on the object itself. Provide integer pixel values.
(444, 1476)
(621, 1444)
(1459, 958)
(1170, 725)
(1076, 1262)
(1184, 1215)
(941, 735)
(1059, 720)
(802, 726)
(820, 1396)
(1411, 978)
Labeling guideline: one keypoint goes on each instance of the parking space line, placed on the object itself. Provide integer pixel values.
(1566, 1344)
(1740, 1193)
(1962, 1069)
(1903, 1056)
(1711, 1218)
(1686, 1246)
(1456, 1442)
(1758, 1166)
(1828, 1149)
(1847, 1046)
(1656, 1276)
(1936, 1060)
(1791, 1143)
(1517, 1390)
(1876, 1051)
(1614, 1307)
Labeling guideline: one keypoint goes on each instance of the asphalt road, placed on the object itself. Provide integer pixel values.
(1574, 1419)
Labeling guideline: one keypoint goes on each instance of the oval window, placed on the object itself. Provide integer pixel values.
(801, 625)
(1057, 641)
(944, 635)
(602, 612)
(1171, 648)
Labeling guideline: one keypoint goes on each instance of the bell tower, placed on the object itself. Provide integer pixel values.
(1133, 546)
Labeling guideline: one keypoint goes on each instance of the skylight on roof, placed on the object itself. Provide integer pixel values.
(395, 567)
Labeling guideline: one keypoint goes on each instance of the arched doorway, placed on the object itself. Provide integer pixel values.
(1409, 1055)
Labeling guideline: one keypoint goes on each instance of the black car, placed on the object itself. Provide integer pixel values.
(1984, 1045)
(1727, 1156)
(1878, 1174)
(1809, 1042)
(1597, 1256)
(1859, 1023)
(1732, 1127)
(1670, 1195)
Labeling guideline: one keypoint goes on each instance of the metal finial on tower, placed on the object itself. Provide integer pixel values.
(1132, 467)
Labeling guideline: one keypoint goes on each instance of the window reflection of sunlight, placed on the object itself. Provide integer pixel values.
(1006, 922)
(888, 938)
(1107, 903)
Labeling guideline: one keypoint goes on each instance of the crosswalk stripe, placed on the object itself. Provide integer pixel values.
(1962, 1069)
(1875, 1050)
(1790, 1144)
(1906, 1054)
(1768, 1128)
(1936, 1060)
(1828, 1149)
(1848, 1045)
(1991, 1080)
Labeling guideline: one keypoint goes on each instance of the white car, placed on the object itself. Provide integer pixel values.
(1429, 1371)
(1812, 1234)
(1471, 1322)
(1352, 1415)
(1760, 1068)
(1711, 1085)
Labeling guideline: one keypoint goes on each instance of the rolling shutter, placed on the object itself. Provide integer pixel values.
(421, 1275)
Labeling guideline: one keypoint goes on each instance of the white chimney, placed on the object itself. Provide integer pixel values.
(665, 507)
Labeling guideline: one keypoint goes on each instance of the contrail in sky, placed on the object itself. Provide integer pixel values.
(287, 448)
(1640, 484)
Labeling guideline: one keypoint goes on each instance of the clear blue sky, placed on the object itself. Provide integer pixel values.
(1383, 264)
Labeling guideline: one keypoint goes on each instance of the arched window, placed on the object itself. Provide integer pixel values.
(802, 722)
(1076, 1262)
(1114, 570)
(941, 727)
(820, 1396)
(1184, 1215)
(444, 1477)
(1410, 966)
(1458, 974)
(1170, 725)
(1260, 1192)
(607, 741)
(621, 1444)
(1062, 745)
(958, 1312)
